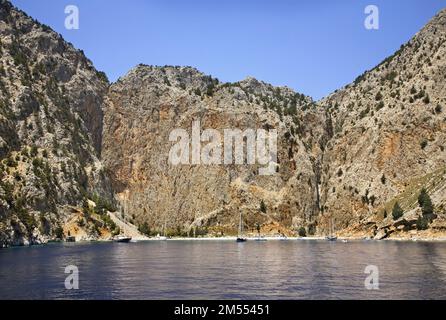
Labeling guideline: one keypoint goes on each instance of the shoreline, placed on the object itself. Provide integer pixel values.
(233, 238)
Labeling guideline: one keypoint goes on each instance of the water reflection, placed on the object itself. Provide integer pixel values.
(226, 270)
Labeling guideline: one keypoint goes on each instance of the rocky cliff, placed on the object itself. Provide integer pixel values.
(146, 105)
(73, 147)
(389, 138)
(50, 130)
(347, 158)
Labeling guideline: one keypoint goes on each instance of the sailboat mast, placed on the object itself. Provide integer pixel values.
(125, 212)
(330, 227)
(240, 225)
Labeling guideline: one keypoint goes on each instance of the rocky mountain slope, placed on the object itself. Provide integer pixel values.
(146, 105)
(348, 158)
(73, 147)
(50, 130)
(390, 136)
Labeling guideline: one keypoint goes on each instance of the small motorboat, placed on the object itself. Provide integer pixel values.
(70, 239)
(240, 239)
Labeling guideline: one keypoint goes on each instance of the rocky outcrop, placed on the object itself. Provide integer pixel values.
(146, 105)
(347, 158)
(73, 147)
(50, 129)
(390, 133)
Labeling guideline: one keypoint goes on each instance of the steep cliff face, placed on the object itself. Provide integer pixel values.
(390, 137)
(67, 137)
(50, 129)
(147, 104)
(348, 158)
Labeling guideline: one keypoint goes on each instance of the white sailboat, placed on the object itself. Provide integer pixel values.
(240, 237)
(163, 237)
(331, 236)
(123, 238)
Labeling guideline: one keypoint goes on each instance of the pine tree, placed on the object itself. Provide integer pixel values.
(262, 207)
(422, 223)
(425, 202)
(145, 229)
(397, 211)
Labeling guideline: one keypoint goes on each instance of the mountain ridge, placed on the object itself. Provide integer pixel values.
(348, 157)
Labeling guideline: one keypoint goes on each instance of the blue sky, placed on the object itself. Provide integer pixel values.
(312, 46)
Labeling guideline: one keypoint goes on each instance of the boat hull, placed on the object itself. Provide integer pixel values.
(123, 240)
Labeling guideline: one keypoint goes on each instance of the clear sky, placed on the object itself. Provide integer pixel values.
(312, 46)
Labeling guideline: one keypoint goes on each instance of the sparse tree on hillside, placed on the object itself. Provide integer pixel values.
(425, 202)
(397, 211)
(262, 206)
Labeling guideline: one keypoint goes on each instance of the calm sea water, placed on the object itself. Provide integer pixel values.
(294, 269)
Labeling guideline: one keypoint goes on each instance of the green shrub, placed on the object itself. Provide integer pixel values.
(11, 163)
(262, 206)
(425, 202)
(210, 90)
(302, 232)
(364, 112)
(144, 229)
(59, 232)
(422, 223)
(378, 96)
(101, 75)
(397, 211)
(340, 172)
(34, 151)
(379, 106)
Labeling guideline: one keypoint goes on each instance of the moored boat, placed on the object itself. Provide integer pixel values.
(240, 237)
(331, 236)
(122, 239)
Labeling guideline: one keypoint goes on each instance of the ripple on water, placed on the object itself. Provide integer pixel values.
(226, 270)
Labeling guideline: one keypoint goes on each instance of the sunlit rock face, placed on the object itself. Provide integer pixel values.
(149, 103)
(50, 129)
(68, 137)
